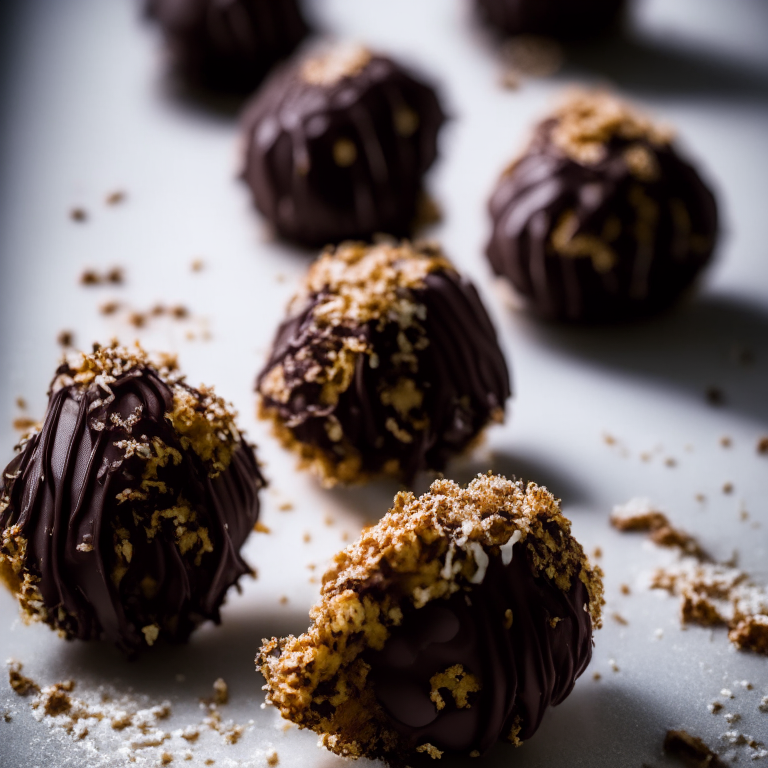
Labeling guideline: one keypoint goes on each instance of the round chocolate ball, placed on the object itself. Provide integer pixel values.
(456, 621)
(228, 45)
(386, 365)
(600, 219)
(122, 515)
(337, 145)
(563, 19)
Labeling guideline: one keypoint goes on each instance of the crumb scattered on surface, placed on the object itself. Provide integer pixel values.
(613, 665)
(624, 589)
(306, 537)
(20, 684)
(65, 338)
(726, 441)
(597, 553)
(711, 594)
(286, 506)
(272, 757)
(617, 617)
(197, 265)
(259, 527)
(78, 214)
(762, 446)
(715, 707)
(115, 198)
(670, 462)
(596, 676)
(691, 749)
(727, 487)
(113, 276)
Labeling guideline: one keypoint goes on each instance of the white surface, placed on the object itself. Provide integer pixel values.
(86, 111)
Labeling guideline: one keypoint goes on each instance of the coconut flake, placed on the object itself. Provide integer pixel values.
(506, 548)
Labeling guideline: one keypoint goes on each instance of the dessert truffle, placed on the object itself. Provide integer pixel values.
(454, 622)
(337, 145)
(387, 364)
(600, 219)
(122, 515)
(228, 45)
(562, 19)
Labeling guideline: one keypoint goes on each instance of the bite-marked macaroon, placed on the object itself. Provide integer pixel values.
(454, 622)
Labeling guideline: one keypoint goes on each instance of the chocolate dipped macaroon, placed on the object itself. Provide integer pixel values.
(122, 515)
(601, 218)
(228, 45)
(561, 19)
(387, 364)
(454, 622)
(336, 147)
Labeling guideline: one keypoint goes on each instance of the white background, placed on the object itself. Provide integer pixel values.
(86, 110)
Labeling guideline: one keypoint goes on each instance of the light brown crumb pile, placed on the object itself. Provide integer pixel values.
(106, 723)
(347, 288)
(711, 594)
(423, 549)
(691, 750)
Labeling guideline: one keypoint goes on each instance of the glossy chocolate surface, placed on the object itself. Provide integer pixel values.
(660, 231)
(461, 373)
(62, 490)
(523, 668)
(343, 160)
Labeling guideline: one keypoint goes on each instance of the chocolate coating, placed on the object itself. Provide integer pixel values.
(617, 232)
(456, 377)
(112, 525)
(228, 44)
(523, 669)
(332, 158)
(563, 19)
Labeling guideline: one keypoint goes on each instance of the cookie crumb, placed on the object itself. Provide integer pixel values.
(65, 338)
(726, 442)
(272, 757)
(197, 265)
(283, 600)
(20, 684)
(286, 506)
(624, 589)
(596, 676)
(714, 707)
(597, 553)
(727, 487)
(670, 462)
(762, 446)
(307, 537)
(259, 527)
(78, 214)
(619, 618)
(166, 758)
(613, 665)
(691, 750)
(115, 198)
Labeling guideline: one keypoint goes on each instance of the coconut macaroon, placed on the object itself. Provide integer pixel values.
(122, 515)
(387, 364)
(454, 622)
(601, 218)
(337, 145)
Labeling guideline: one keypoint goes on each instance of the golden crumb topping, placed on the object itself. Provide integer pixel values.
(362, 282)
(334, 65)
(588, 120)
